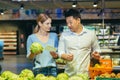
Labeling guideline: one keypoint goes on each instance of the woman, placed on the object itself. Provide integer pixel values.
(44, 62)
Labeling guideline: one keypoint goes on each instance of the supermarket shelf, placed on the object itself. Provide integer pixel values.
(7, 36)
(116, 68)
(9, 48)
(5, 52)
(10, 43)
(8, 33)
(9, 40)
(110, 49)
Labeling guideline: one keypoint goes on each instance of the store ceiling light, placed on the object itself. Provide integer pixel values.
(22, 6)
(74, 4)
(1, 11)
(94, 4)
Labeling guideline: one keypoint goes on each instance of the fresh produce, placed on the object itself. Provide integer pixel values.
(1, 78)
(36, 48)
(27, 73)
(83, 76)
(113, 75)
(51, 78)
(8, 75)
(23, 78)
(40, 77)
(61, 61)
(97, 66)
(118, 75)
(75, 78)
(62, 76)
(110, 75)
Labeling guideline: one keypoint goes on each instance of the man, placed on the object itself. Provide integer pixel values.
(77, 45)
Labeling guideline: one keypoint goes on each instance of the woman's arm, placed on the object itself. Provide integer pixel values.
(29, 54)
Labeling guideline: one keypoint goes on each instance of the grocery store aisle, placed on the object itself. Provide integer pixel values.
(15, 63)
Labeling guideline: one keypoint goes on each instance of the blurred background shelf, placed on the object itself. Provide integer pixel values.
(10, 41)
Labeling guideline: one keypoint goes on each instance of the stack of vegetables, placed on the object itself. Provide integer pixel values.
(104, 65)
(108, 76)
(27, 74)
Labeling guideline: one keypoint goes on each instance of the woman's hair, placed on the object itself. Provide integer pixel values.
(41, 18)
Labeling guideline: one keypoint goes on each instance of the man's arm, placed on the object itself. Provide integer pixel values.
(62, 50)
(95, 47)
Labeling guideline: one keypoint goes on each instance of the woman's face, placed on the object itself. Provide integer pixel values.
(46, 25)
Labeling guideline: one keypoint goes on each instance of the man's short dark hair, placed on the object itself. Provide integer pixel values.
(72, 12)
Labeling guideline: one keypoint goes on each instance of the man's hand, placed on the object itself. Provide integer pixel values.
(68, 57)
(95, 55)
(54, 54)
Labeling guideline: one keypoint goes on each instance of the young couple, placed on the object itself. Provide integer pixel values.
(75, 46)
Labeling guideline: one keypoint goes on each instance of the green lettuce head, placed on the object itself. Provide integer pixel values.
(27, 73)
(36, 48)
(62, 76)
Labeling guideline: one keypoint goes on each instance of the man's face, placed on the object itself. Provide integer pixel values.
(73, 23)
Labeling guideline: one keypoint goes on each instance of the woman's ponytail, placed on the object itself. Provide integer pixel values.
(36, 29)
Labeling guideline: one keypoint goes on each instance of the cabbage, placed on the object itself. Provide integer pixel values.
(27, 73)
(36, 48)
(43, 77)
(62, 61)
(8, 75)
(51, 78)
(23, 78)
(1, 78)
(40, 77)
(75, 78)
(62, 76)
(84, 76)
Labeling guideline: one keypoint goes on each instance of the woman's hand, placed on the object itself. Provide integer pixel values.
(54, 54)
(32, 55)
(95, 55)
(36, 52)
